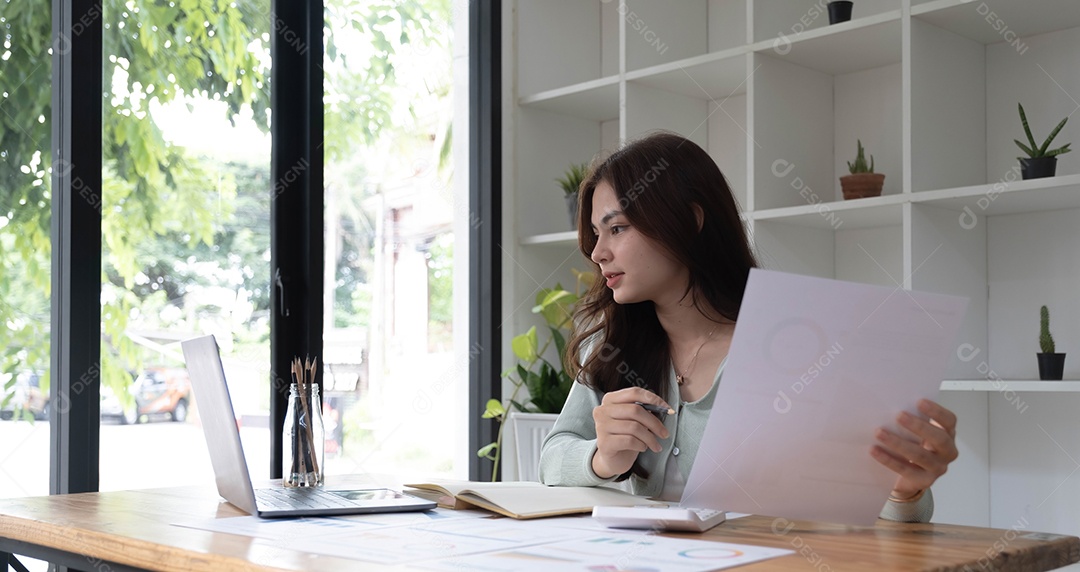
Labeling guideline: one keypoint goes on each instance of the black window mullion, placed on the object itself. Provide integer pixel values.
(296, 209)
(76, 247)
(485, 260)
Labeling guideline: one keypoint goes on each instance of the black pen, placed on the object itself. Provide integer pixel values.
(654, 408)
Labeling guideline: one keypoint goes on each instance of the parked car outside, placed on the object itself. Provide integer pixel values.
(112, 407)
(24, 397)
(162, 391)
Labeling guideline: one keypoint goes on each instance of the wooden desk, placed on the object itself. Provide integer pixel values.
(131, 530)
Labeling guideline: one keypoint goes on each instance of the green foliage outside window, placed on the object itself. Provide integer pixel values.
(156, 195)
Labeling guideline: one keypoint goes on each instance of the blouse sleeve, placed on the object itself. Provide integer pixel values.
(921, 510)
(567, 452)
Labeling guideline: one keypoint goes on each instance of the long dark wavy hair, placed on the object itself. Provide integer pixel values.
(659, 181)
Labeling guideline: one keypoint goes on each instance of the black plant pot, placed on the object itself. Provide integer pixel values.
(1051, 366)
(839, 11)
(571, 206)
(1038, 167)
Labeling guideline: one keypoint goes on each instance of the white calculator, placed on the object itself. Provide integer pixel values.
(658, 518)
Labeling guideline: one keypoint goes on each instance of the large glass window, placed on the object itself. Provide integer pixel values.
(25, 203)
(185, 230)
(393, 373)
(186, 233)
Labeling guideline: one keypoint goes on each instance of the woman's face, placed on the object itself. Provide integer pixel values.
(634, 267)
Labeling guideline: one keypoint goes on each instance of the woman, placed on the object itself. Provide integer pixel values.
(672, 259)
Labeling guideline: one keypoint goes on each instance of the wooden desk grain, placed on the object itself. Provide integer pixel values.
(135, 528)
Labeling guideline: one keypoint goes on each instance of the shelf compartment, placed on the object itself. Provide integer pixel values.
(808, 144)
(719, 126)
(661, 32)
(597, 99)
(551, 142)
(649, 108)
(587, 47)
(1007, 197)
(964, 98)
(713, 76)
(870, 255)
(864, 43)
(993, 21)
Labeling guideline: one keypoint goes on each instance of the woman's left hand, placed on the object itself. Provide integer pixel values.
(918, 464)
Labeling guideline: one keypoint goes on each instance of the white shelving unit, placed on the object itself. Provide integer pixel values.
(1013, 385)
(778, 98)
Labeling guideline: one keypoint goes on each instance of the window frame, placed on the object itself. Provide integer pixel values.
(296, 241)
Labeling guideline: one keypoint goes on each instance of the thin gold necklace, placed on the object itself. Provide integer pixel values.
(681, 379)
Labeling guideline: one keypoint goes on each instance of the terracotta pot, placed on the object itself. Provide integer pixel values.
(862, 185)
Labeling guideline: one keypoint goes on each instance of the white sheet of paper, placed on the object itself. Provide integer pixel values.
(814, 368)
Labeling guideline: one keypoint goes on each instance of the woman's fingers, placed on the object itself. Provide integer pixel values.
(919, 463)
(634, 395)
(625, 406)
(938, 415)
(624, 428)
(932, 435)
(641, 425)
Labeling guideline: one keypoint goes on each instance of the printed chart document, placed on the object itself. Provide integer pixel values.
(814, 368)
(523, 499)
(459, 540)
(615, 552)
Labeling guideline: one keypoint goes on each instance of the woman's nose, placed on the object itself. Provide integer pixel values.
(600, 253)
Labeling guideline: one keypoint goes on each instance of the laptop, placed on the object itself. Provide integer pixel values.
(230, 467)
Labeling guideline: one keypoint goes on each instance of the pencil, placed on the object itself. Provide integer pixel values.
(654, 408)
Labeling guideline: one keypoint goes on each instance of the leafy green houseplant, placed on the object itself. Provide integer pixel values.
(570, 182)
(863, 181)
(1051, 363)
(546, 384)
(1041, 161)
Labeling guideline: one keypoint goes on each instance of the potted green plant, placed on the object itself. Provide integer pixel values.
(839, 11)
(863, 181)
(525, 420)
(570, 183)
(1041, 160)
(1051, 364)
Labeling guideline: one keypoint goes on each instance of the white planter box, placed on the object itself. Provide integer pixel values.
(523, 435)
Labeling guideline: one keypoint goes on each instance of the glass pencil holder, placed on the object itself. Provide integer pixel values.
(304, 440)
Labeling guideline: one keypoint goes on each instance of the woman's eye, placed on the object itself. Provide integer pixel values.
(617, 229)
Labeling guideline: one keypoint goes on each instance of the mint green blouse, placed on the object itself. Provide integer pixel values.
(566, 457)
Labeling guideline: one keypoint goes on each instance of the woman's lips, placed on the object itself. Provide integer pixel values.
(613, 279)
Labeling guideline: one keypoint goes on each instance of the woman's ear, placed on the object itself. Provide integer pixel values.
(699, 214)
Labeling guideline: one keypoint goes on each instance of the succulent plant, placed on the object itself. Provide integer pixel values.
(859, 166)
(1035, 151)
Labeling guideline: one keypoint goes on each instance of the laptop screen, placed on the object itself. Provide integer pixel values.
(219, 422)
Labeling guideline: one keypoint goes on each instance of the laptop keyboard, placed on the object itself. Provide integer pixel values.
(299, 498)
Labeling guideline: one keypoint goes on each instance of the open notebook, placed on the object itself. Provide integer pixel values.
(524, 499)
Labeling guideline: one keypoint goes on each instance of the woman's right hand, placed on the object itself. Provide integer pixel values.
(624, 429)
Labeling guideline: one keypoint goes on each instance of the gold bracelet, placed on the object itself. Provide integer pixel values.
(918, 495)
